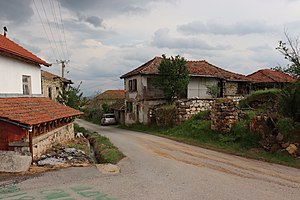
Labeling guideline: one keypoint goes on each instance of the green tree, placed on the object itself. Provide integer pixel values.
(173, 77)
(213, 90)
(290, 101)
(291, 52)
(71, 96)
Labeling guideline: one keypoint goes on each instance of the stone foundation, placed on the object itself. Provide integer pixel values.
(44, 142)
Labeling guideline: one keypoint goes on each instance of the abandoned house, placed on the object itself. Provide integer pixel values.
(28, 121)
(142, 95)
(53, 84)
(268, 78)
(115, 102)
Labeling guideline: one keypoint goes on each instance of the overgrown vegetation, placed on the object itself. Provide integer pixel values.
(213, 90)
(72, 97)
(105, 151)
(173, 77)
(263, 99)
(239, 141)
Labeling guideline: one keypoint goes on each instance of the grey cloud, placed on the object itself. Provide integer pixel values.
(239, 28)
(162, 39)
(110, 8)
(15, 11)
(93, 20)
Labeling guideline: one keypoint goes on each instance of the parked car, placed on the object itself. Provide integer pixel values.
(108, 119)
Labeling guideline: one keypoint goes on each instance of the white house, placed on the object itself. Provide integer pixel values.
(28, 121)
(20, 70)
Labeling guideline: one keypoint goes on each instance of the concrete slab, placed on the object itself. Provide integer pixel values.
(14, 161)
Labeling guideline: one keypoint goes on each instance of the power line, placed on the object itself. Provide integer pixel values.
(50, 28)
(57, 27)
(52, 49)
(63, 30)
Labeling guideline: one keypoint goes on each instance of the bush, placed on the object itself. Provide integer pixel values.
(204, 115)
(285, 126)
(261, 99)
(290, 101)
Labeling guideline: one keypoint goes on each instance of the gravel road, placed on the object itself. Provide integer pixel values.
(158, 168)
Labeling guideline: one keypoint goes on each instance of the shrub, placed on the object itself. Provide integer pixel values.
(261, 98)
(290, 101)
(204, 115)
(285, 126)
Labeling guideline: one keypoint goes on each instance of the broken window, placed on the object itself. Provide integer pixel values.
(132, 85)
(129, 107)
(26, 81)
(50, 92)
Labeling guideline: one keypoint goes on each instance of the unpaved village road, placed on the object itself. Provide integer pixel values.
(158, 168)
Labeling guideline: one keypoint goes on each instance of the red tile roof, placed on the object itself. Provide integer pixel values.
(34, 110)
(111, 95)
(49, 75)
(196, 68)
(8, 46)
(270, 76)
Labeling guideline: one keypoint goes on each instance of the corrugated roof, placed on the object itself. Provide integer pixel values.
(34, 110)
(8, 46)
(270, 76)
(111, 95)
(196, 68)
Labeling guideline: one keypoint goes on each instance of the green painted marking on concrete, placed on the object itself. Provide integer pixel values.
(54, 194)
(9, 189)
(14, 193)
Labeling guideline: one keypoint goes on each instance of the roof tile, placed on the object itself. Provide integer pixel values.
(270, 76)
(34, 110)
(8, 46)
(196, 68)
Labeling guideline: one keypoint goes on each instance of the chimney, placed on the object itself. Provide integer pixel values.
(5, 31)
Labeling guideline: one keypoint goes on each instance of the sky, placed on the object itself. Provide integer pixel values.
(104, 39)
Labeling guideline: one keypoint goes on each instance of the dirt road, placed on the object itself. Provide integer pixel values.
(158, 168)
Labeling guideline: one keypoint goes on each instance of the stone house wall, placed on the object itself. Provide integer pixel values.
(44, 142)
(51, 87)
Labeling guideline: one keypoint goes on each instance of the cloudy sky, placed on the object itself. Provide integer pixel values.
(104, 39)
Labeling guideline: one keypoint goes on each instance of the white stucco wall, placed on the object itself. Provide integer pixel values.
(11, 71)
(197, 87)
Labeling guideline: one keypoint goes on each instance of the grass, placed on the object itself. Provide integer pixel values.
(196, 131)
(105, 151)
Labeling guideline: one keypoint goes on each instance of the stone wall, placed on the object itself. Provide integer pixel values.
(224, 115)
(188, 108)
(44, 142)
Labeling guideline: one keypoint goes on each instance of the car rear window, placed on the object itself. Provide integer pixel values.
(109, 116)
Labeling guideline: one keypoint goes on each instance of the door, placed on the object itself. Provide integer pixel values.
(3, 137)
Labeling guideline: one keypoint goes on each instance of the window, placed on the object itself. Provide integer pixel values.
(26, 81)
(50, 92)
(132, 85)
(129, 107)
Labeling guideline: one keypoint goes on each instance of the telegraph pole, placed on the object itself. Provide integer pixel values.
(63, 66)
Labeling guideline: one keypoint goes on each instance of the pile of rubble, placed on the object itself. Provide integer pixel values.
(271, 139)
(62, 155)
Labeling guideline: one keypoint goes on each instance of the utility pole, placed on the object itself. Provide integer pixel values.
(63, 65)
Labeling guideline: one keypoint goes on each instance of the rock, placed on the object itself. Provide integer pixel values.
(70, 150)
(279, 137)
(275, 147)
(292, 149)
(108, 168)
(51, 161)
(285, 145)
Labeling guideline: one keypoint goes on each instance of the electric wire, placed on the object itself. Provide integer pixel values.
(40, 18)
(50, 28)
(58, 32)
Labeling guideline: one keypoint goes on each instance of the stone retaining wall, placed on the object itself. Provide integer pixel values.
(224, 115)
(14, 161)
(187, 109)
(44, 142)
